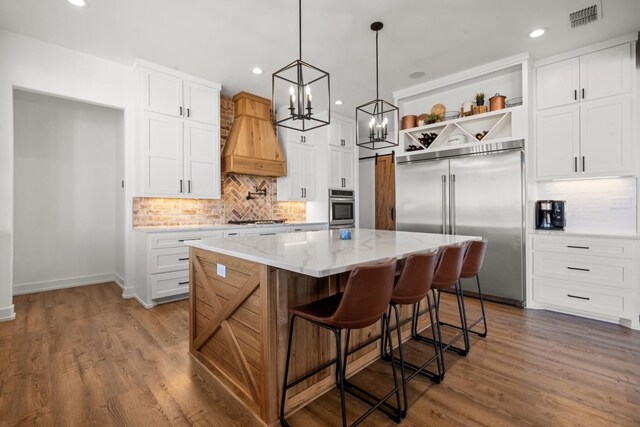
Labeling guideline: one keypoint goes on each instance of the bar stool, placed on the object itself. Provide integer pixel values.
(446, 277)
(471, 267)
(412, 285)
(364, 302)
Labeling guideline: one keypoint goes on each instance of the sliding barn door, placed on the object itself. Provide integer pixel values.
(385, 193)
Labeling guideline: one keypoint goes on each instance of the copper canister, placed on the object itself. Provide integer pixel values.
(497, 102)
(409, 122)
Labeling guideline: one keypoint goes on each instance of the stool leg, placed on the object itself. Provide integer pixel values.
(463, 317)
(383, 346)
(436, 339)
(286, 372)
(393, 368)
(346, 355)
(484, 317)
(436, 301)
(339, 370)
(403, 411)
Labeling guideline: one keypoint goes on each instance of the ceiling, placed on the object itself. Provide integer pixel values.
(222, 40)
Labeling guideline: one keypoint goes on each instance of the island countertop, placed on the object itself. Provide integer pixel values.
(322, 253)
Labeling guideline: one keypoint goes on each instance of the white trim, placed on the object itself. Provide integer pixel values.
(470, 73)
(119, 280)
(628, 38)
(7, 313)
(72, 282)
(184, 76)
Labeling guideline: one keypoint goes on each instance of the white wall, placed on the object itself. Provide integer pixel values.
(367, 194)
(65, 192)
(42, 67)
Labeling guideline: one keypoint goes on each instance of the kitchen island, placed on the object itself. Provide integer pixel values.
(241, 289)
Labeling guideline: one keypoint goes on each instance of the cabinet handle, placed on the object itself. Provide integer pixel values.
(180, 186)
(393, 214)
(305, 193)
(232, 234)
(578, 247)
(188, 112)
(188, 240)
(582, 93)
(188, 186)
(302, 193)
(578, 269)
(583, 164)
(267, 234)
(180, 108)
(578, 297)
(575, 164)
(575, 95)
(183, 259)
(183, 283)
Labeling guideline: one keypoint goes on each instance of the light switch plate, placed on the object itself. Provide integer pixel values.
(221, 270)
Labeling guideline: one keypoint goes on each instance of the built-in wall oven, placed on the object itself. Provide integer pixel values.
(342, 208)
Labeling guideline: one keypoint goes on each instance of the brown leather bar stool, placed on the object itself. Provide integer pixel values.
(471, 267)
(412, 285)
(364, 302)
(447, 277)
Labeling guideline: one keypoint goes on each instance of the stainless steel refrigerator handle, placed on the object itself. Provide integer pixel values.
(444, 204)
(452, 203)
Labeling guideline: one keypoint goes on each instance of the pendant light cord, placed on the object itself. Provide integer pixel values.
(377, 81)
(300, 28)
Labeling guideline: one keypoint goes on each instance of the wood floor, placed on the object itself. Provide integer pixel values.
(85, 356)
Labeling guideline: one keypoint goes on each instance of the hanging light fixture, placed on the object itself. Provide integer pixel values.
(303, 90)
(377, 120)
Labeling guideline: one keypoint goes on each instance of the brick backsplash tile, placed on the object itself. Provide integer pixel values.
(168, 212)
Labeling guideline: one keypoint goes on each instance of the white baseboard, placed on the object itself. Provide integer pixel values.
(7, 313)
(119, 280)
(50, 285)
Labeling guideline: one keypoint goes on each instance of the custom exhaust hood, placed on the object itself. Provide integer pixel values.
(252, 147)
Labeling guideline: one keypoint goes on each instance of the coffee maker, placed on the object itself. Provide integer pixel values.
(550, 215)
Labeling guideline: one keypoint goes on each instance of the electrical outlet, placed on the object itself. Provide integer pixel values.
(620, 203)
(221, 270)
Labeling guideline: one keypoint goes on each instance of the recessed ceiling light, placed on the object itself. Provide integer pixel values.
(417, 74)
(537, 32)
(338, 102)
(78, 3)
(257, 70)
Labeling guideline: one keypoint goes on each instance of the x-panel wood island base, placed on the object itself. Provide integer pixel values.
(239, 309)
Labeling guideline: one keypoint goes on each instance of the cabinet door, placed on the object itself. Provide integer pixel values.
(162, 93)
(348, 169)
(163, 174)
(202, 103)
(309, 173)
(202, 160)
(606, 72)
(606, 135)
(295, 166)
(347, 136)
(558, 142)
(335, 167)
(557, 83)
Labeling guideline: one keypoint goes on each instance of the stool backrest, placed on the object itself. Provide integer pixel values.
(416, 277)
(366, 296)
(449, 266)
(473, 258)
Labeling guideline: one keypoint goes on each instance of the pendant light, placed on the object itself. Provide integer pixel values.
(302, 92)
(377, 120)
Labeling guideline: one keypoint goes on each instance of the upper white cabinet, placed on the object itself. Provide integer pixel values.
(557, 84)
(341, 168)
(179, 139)
(588, 133)
(300, 182)
(588, 77)
(341, 133)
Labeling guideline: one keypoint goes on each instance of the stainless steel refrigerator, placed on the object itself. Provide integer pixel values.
(471, 193)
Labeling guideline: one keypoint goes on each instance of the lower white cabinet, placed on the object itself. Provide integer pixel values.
(169, 284)
(592, 277)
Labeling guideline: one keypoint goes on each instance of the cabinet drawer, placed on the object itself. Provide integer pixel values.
(170, 240)
(584, 246)
(611, 272)
(169, 284)
(170, 259)
(578, 297)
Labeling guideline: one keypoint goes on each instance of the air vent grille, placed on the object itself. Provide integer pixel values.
(583, 16)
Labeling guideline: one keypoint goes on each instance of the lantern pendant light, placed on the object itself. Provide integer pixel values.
(377, 120)
(302, 92)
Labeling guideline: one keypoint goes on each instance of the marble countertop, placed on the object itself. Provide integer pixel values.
(213, 227)
(322, 253)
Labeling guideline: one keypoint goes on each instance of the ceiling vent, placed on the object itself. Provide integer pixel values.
(585, 16)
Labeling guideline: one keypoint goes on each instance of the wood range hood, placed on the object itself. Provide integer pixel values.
(252, 147)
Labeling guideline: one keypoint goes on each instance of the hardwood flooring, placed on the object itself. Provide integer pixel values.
(84, 356)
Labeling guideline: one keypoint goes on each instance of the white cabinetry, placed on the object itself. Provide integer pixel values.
(341, 168)
(179, 136)
(300, 182)
(593, 277)
(584, 119)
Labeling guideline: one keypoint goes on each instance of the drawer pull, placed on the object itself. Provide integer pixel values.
(578, 297)
(578, 247)
(578, 269)
(267, 234)
(188, 240)
(183, 283)
(183, 259)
